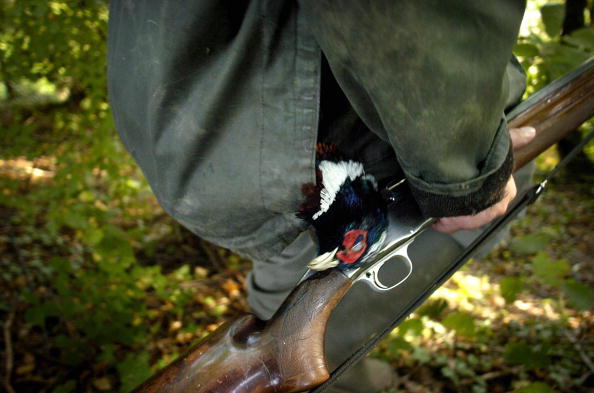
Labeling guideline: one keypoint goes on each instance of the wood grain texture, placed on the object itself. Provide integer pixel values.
(248, 355)
(555, 115)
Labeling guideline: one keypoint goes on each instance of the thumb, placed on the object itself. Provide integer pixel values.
(521, 136)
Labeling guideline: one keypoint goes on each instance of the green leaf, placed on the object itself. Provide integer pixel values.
(530, 244)
(63, 341)
(183, 273)
(397, 344)
(74, 219)
(421, 355)
(133, 370)
(537, 387)
(510, 287)
(92, 236)
(548, 271)
(36, 315)
(526, 50)
(108, 354)
(433, 308)
(414, 326)
(524, 354)
(552, 18)
(86, 196)
(583, 38)
(462, 323)
(564, 58)
(114, 249)
(580, 295)
(66, 387)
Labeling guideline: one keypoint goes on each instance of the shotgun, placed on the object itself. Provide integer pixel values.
(285, 354)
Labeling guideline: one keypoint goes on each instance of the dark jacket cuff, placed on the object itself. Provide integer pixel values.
(491, 192)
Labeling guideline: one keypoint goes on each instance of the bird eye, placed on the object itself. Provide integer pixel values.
(358, 244)
(355, 244)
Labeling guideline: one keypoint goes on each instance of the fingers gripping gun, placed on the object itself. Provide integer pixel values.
(286, 353)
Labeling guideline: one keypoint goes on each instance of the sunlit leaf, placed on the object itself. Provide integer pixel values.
(526, 50)
(86, 196)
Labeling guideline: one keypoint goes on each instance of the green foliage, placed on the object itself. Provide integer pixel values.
(579, 295)
(530, 243)
(552, 18)
(526, 355)
(433, 308)
(71, 230)
(555, 273)
(537, 387)
(510, 287)
(412, 326)
(133, 370)
(547, 57)
(549, 271)
(462, 323)
(66, 387)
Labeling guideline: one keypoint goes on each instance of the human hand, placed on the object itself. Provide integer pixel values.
(520, 137)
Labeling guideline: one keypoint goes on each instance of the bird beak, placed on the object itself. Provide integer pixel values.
(324, 261)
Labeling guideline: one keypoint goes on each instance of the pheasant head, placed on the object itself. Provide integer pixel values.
(347, 212)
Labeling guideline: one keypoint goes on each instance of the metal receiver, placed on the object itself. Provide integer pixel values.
(405, 222)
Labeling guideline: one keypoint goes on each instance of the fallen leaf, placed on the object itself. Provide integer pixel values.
(102, 384)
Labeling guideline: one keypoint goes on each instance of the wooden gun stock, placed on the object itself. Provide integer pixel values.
(248, 355)
(286, 353)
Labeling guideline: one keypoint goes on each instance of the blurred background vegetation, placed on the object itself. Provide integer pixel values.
(99, 288)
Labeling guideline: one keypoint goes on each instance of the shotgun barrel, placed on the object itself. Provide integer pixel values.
(555, 111)
(286, 353)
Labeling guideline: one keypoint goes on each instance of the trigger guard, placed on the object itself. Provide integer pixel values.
(371, 275)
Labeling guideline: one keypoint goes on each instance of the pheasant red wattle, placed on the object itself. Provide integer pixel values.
(346, 210)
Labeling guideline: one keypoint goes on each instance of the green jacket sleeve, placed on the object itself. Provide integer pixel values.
(432, 78)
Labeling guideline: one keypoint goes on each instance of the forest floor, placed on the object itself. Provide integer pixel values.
(518, 320)
(533, 342)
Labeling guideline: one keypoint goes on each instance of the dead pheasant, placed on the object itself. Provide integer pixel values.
(346, 210)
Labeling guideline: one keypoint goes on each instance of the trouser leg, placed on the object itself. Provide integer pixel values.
(270, 281)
